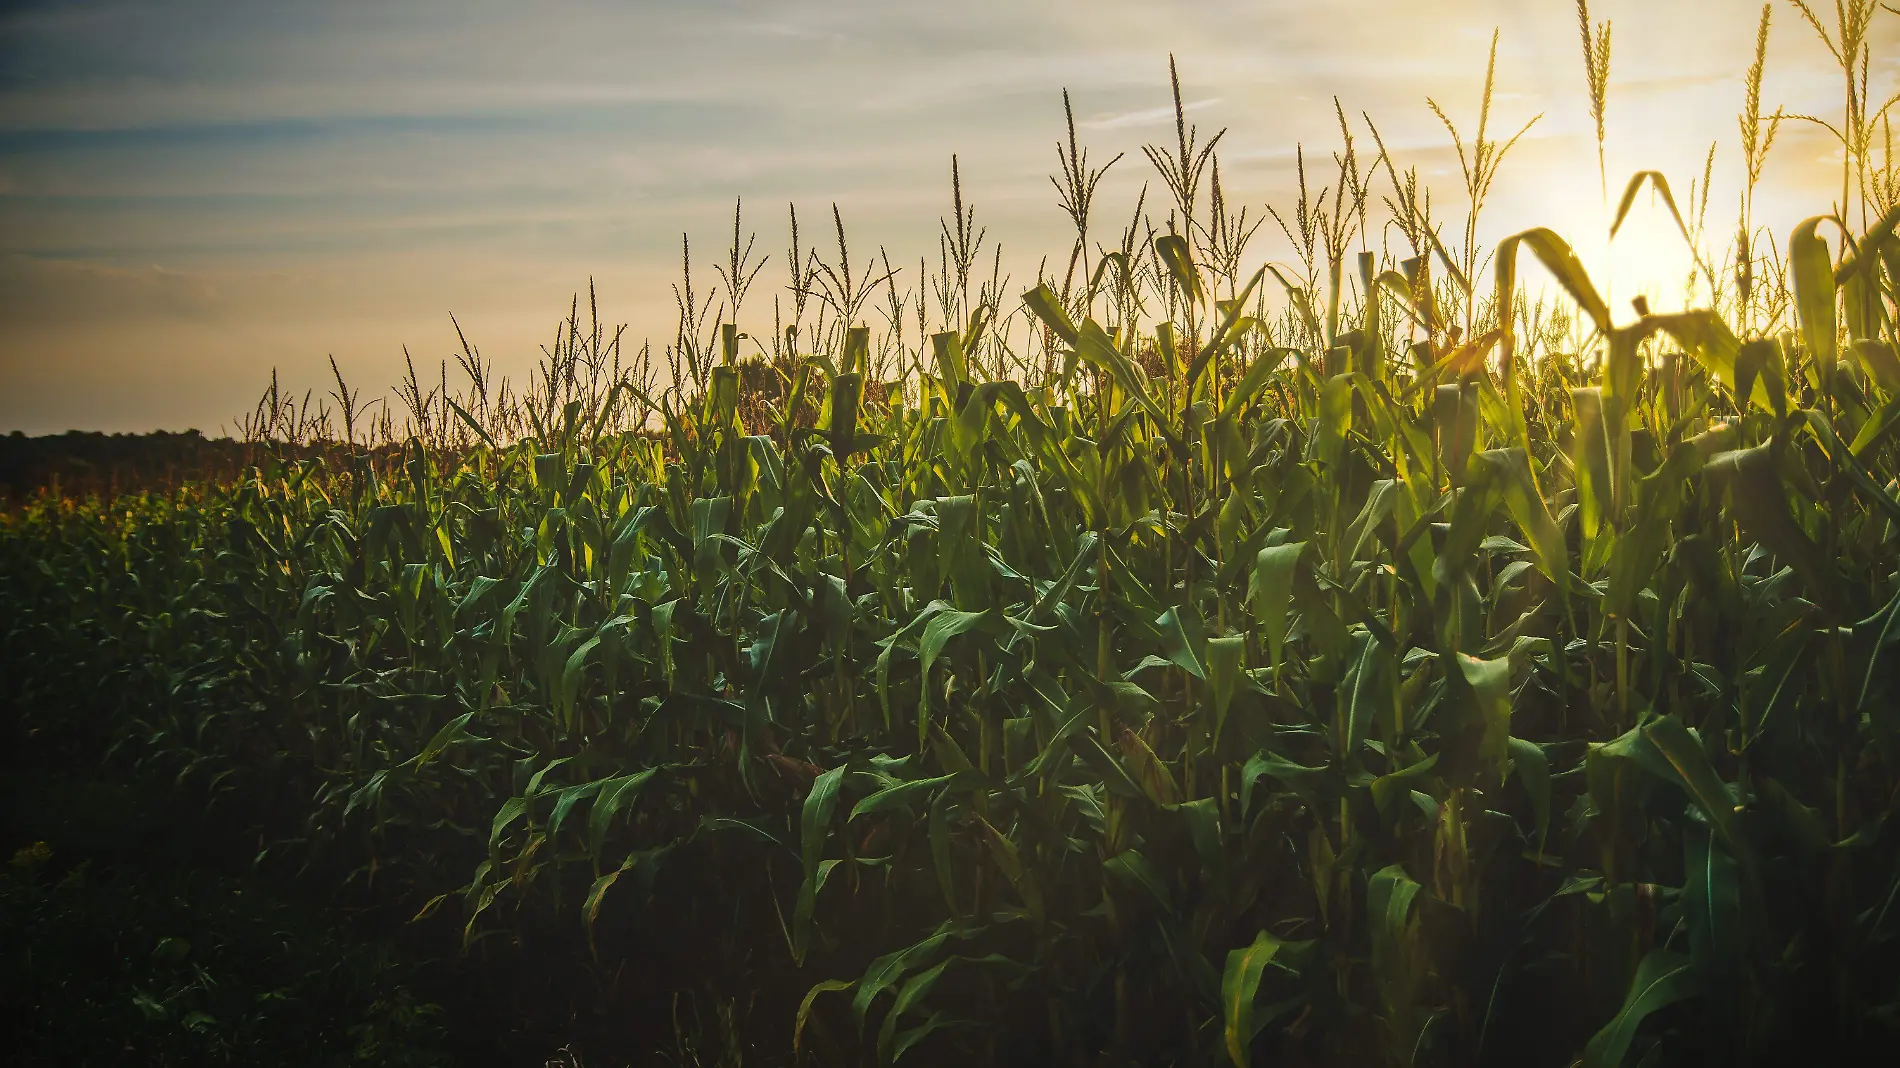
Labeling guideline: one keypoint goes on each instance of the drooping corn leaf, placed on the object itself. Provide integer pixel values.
(1240, 982)
(1662, 979)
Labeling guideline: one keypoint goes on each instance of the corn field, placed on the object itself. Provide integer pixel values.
(1369, 660)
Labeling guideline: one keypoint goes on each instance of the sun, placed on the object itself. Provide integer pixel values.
(1650, 257)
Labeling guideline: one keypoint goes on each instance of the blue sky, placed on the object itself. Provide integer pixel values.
(194, 193)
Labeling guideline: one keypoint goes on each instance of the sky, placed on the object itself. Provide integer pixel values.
(193, 194)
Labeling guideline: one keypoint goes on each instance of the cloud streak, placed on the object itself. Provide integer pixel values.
(225, 187)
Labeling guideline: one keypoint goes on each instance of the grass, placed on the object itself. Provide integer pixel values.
(1360, 661)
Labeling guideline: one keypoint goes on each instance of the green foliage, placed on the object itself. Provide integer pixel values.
(1374, 692)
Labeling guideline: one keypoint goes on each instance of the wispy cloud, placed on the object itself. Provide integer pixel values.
(1146, 116)
(61, 292)
(221, 187)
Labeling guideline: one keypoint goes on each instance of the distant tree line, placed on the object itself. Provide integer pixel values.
(88, 463)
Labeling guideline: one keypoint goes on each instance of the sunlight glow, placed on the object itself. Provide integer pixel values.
(1650, 258)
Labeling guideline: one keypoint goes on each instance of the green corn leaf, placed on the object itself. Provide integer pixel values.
(1634, 557)
(1390, 787)
(571, 675)
(1455, 421)
(1879, 695)
(1879, 426)
(904, 1040)
(814, 828)
(1389, 896)
(722, 399)
(828, 986)
(1880, 923)
(807, 907)
(564, 803)
(1814, 300)
(1270, 591)
(1133, 870)
(1308, 782)
(1183, 640)
(613, 795)
(471, 422)
(1397, 964)
(1470, 517)
(1759, 499)
(1759, 374)
(1240, 982)
(1490, 682)
(1661, 184)
(841, 414)
(533, 789)
(1174, 252)
(1712, 909)
(857, 350)
(1109, 771)
(1533, 770)
(1620, 772)
(1226, 658)
(1376, 511)
(1697, 775)
(949, 754)
(1335, 420)
(940, 855)
(903, 793)
(1299, 298)
(1778, 689)
(1590, 457)
(980, 318)
(885, 971)
(942, 627)
(815, 821)
(597, 895)
(1202, 819)
(1059, 590)
(511, 810)
(1008, 860)
(1364, 692)
(451, 733)
(1705, 336)
(1233, 326)
(1053, 754)
(1662, 979)
(1099, 349)
(1258, 374)
(1044, 303)
(1511, 473)
(1556, 256)
(913, 992)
